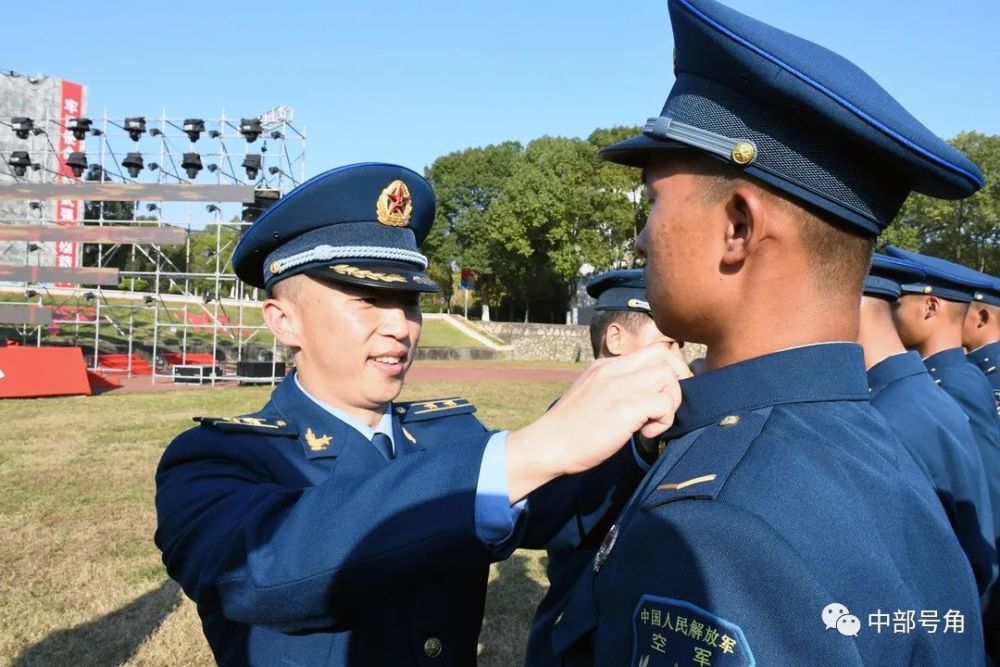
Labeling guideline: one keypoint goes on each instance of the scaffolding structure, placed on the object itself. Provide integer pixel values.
(170, 306)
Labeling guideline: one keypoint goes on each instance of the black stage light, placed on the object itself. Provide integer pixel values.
(19, 162)
(22, 126)
(193, 127)
(77, 162)
(134, 163)
(252, 164)
(79, 127)
(250, 128)
(135, 127)
(191, 164)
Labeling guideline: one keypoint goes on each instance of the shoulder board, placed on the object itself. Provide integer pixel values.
(702, 471)
(248, 424)
(441, 407)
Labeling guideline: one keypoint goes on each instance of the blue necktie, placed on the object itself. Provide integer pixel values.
(383, 444)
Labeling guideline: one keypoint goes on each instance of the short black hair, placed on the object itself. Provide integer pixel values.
(602, 319)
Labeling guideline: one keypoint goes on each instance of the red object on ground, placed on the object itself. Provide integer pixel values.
(29, 372)
(120, 362)
(100, 384)
(192, 359)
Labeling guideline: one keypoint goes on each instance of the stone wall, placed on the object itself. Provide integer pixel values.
(556, 342)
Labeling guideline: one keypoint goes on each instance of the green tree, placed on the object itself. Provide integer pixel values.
(965, 230)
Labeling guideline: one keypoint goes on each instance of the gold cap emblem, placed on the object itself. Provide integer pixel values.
(928, 289)
(275, 267)
(394, 206)
(743, 153)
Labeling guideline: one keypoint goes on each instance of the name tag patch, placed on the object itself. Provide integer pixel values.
(669, 632)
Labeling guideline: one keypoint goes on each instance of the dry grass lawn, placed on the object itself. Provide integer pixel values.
(81, 582)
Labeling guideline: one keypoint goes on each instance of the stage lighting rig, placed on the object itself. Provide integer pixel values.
(155, 132)
(135, 127)
(251, 129)
(191, 164)
(212, 208)
(79, 127)
(252, 164)
(77, 162)
(134, 163)
(193, 127)
(152, 207)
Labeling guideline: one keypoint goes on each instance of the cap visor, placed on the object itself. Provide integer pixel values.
(382, 275)
(635, 152)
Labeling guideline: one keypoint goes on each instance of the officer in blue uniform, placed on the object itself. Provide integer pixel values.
(336, 526)
(928, 422)
(784, 524)
(622, 323)
(981, 334)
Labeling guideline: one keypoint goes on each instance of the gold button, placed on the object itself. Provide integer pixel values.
(281, 422)
(432, 647)
(729, 420)
(743, 153)
(933, 370)
(401, 410)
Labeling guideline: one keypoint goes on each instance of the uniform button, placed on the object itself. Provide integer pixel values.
(729, 420)
(432, 647)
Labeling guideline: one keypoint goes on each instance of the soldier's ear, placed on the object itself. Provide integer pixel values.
(747, 223)
(932, 307)
(613, 343)
(282, 317)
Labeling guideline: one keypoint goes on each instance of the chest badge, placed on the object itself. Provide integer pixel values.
(605, 550)
(315, 443)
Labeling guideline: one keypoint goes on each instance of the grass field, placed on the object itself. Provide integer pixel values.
(81, 582)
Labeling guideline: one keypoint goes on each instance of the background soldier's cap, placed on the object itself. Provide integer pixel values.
(360, 224)
(948, 280)
(797, 117)
(888, 274)
(623, 289)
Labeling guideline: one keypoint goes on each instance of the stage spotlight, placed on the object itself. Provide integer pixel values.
(155, 132)
(277, 135)
(191, 164)
(89, 296)
(151, 207)
(273, 170)
(214, 134)
(133, 162)
(193, 127)
(34, 247)
(149, 300)
(22, 126)
(153, 166)
(209, 297)
(212, 167)
(35, 205)
(262, 200)
(19, 162)
(252, 164)
(208, 253)
(135, 127)
(251, 129)
(212, 208)
(30, 294)
(77, 162)
(79, 127)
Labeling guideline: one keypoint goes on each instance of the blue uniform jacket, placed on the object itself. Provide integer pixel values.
(985, 358)
(936, 432)
(302, 545)
(971, 390)
(783, 525)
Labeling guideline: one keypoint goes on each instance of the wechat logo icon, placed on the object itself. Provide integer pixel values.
(837, 617)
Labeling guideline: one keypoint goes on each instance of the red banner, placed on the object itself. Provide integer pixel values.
(68, 211)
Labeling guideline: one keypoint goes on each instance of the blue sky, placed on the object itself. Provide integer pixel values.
(409, 81)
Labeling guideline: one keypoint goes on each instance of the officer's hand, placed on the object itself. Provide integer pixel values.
(611, 400)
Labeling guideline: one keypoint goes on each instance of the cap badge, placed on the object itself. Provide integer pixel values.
(394, 206)
(743, 153)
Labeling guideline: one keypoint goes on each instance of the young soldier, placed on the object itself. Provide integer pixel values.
(622, 323)
(981, 333)
(928, 422)
(336, 526)
(784, 521)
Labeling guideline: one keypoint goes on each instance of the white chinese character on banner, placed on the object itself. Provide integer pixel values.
(929, 620)
(71, 106)
(954, 620)
(903, 621)
(67, 214)
(65, 248)
(878, 620)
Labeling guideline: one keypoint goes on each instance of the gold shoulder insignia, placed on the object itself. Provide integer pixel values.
(248, 424)
(440, 407)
